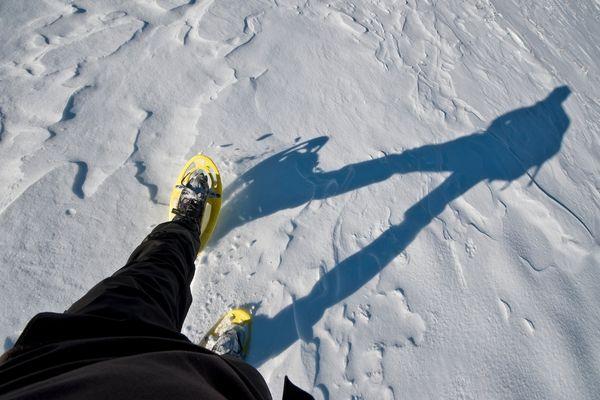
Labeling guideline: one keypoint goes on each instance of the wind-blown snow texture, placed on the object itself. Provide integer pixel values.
(412, 187)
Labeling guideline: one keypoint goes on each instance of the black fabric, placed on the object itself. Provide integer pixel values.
(154, 285)
(122, 339)
(293, 392)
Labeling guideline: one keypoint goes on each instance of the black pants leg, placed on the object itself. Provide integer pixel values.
(154, 286)
(148, 298)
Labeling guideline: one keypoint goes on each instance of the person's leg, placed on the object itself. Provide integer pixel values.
(149, 296)
(154, 286)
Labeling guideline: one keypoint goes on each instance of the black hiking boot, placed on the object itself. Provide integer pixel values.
(192, 199)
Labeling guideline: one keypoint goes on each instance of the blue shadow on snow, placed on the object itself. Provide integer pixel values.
(513, 144)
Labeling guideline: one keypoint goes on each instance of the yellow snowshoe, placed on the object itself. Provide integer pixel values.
(231, 334)
(198, 181)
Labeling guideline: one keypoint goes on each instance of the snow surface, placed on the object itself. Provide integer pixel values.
(412, 186)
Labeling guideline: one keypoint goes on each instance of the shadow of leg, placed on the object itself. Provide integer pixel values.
(273, 335)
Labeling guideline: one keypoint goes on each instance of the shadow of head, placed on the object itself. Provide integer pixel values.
(527, 137)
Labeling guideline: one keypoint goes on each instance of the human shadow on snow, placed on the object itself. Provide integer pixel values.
(512, 145)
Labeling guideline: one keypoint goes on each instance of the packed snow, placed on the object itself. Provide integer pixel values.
(411, 187)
